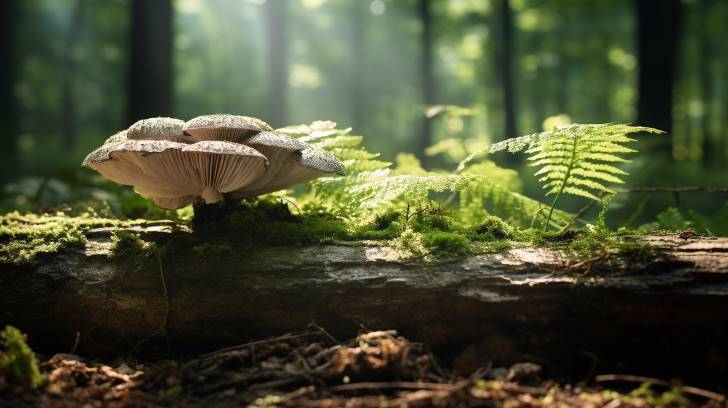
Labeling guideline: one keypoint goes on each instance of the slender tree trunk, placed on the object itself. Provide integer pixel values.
(150, 68)
(426, 74)
(69, 106)
(562, 86)
(277, 32)
(710, 148)
(658, 24)
(358, 68)
(506, 69)
(8, 103)
(723, 139)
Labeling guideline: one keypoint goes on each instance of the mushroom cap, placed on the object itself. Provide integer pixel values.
(297, 167)
(175, 174)
(233, 128)
(156, 129)
(177, 163)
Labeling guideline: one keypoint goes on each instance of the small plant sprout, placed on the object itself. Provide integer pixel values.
(576, 159)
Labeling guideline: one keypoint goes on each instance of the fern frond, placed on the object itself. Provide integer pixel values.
(577, 159)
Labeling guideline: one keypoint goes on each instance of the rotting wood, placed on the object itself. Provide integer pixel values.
(664, 312)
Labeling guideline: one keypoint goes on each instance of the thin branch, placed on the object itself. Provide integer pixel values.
(404, 385)
(695, 189)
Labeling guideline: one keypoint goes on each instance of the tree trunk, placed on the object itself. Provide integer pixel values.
(426, 75)
(506, 69)
(150, 66)
(277, 33)
(658, 27)
(8, 104)
(628, 309)
(69, 104)
(710, 147)
(359, 16)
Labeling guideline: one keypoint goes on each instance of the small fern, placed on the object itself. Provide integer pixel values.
(370, 183)
(373, 185)
(576, 159)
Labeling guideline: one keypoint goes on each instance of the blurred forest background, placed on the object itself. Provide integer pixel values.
(406, 74)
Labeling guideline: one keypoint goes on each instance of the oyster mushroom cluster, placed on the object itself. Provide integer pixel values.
(210, 157)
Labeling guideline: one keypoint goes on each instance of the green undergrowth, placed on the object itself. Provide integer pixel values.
(24, 238)
(18, 364)
(428, 231)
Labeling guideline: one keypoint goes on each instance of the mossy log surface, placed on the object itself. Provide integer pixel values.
(662, 310)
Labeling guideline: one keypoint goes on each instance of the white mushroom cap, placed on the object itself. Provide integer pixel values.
(177, 163)
(297, 167)
(175, 174)
(232, 128)
(156, 129)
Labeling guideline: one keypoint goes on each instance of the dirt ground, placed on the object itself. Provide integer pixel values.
(313, 369)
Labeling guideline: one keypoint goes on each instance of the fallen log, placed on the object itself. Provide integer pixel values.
(658, 311)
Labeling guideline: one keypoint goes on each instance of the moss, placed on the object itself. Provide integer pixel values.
(443, 243)
(207, 249)
(130, 247)
(25, 237)
(493, 228)
(269, 223)
(432, 218)
(385, 226)
(410, 243)
(17, 361)
(384, 221)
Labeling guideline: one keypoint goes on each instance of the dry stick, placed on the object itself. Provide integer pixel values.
(407, 385)
(696, 189)
(640, 379)
(578, 215)
(287, 336)
(75, 343)
(324, 332)
(676, 191)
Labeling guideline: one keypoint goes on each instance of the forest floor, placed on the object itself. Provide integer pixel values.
(313, 369)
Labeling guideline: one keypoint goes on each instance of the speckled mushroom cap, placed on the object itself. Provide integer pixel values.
(177, 163)
(232, 128)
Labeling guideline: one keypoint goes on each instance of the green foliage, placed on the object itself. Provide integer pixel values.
(576, 159)
(369, 184)
(372, 185)
(17, 361)
(674, 219)
(673, 397)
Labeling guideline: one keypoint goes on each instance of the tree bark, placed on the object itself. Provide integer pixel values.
(150, 66)
(658, 28)
(8, 104)
(427, 76)
(628, 309)
(276, 12)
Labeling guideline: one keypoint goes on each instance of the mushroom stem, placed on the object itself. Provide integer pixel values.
(211, 195)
